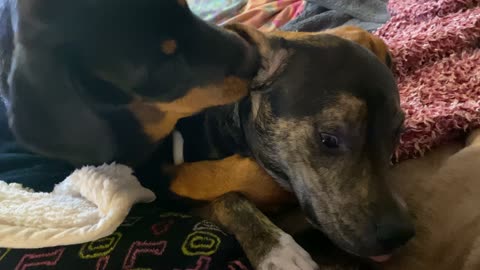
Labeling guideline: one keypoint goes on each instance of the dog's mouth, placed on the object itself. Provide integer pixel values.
(377, 258)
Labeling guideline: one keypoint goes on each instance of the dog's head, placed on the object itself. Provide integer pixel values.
(95, 81)
(324, 120)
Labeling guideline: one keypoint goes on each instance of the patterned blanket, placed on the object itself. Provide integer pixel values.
(265, 15)
(435, 46)
(150, 238)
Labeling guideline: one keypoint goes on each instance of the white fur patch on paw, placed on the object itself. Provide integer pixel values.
(287, 255)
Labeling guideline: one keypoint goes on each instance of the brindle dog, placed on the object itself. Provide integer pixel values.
(324, 132)
(80, 84)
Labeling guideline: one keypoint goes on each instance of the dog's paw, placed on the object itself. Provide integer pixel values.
(287, 255)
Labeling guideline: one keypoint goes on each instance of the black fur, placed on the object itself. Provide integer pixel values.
(59, 106)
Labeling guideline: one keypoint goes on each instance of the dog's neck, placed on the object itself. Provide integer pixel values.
(216, 133)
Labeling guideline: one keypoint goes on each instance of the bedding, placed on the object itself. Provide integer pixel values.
(152, 236)
(266, 15)
(319, 15)
(293, 15)
(436, 55)
(149, 238)
(89, 204)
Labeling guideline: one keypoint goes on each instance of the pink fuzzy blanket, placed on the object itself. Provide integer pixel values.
(436, 51)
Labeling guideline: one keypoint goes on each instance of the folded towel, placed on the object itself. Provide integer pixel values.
(89, 204)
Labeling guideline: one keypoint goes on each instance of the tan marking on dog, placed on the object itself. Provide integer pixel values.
(306, 38)
(156, 124)
(208, 180)
(159, 118)
(356, 34)
(352, 33)
(347, 108)
(169, 46)
(232, 89)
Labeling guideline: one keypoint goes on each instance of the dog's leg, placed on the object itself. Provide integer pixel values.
(208, 180)
(262, 241)
(221, 182)
(266, 246)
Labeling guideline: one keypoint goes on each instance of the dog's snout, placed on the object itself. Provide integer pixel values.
(393, 232)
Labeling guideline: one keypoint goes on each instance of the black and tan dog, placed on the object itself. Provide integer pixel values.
(96, 81)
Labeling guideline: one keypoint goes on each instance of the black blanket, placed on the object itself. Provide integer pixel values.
(152, 237)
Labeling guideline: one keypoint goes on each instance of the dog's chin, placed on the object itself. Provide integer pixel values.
(374, 254)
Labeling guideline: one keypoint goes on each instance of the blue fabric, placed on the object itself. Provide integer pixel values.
(319, 15)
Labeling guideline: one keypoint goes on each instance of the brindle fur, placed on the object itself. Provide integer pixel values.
(342, 192)
(250, 226)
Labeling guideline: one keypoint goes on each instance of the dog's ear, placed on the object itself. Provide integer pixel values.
(273, 51)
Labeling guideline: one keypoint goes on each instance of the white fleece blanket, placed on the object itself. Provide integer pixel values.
(89, 204)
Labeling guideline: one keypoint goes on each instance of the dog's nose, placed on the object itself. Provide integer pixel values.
(393, 232)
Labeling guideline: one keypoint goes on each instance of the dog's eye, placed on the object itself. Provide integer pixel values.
(329, 140)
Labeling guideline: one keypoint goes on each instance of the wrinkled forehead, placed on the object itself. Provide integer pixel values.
(344, 108)
(345, 76)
